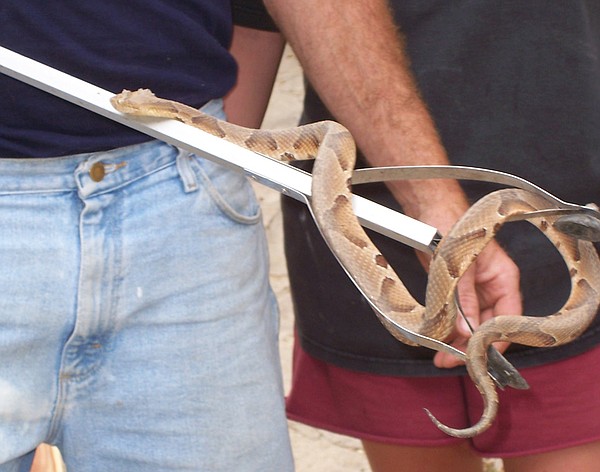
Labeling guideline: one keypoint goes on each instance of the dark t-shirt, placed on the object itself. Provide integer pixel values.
(513, 86)
(176, 48)
(252, 14)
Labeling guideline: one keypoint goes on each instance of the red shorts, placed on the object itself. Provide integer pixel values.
(561, 408)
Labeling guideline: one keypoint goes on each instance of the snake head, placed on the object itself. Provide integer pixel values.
(131, 102)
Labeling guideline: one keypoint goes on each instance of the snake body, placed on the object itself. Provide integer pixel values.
(458, 250)
(333, 149)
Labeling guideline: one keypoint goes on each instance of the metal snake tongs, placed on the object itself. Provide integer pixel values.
(582, 222)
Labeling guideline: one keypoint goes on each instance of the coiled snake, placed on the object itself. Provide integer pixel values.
(333, 149)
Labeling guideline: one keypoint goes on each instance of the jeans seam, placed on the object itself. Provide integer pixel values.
(223, 205)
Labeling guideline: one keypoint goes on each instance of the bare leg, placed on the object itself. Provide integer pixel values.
(391, 458)
(584, 458)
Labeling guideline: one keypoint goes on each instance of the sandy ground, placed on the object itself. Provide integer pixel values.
(314, 450)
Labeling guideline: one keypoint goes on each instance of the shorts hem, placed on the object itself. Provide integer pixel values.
(535, 451)
(373, 437)
(362, 436)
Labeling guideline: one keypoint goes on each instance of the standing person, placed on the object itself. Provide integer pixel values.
(137, 328)
(133, 274)
(513, 86)
(242, 104)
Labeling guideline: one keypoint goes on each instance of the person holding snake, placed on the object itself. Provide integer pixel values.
(512, 87)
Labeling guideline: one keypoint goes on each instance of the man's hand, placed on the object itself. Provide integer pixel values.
(489, 288)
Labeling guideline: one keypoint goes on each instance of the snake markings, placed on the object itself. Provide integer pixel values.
(333, 149)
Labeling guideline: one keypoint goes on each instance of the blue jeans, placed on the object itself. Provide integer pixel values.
(138, 331)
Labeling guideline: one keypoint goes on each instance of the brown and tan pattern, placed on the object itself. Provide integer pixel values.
(334, 150)
(458, 250)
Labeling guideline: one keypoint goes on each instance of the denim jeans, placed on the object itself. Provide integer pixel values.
(138, 331)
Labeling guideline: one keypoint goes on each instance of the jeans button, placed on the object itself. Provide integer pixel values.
(97, 172)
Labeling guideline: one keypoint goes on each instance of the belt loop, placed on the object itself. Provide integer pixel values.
(186, 173)
(184, 159)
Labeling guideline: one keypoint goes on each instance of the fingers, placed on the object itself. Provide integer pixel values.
(498, 283)
(445, 360)
(489, 288)
(469, 304)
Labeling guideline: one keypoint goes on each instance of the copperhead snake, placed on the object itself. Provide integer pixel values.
(333, 149)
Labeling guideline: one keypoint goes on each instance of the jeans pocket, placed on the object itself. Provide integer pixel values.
(230, 191)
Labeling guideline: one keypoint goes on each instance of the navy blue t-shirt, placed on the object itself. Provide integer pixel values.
(178, 49)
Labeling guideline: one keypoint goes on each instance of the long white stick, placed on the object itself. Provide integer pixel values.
(279, 176)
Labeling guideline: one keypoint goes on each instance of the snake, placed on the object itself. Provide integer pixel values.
(458, 250)
(333, 150)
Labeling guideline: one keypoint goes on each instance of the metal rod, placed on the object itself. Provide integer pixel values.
(274, 174)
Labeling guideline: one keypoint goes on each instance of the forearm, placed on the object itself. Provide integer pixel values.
(352, 54)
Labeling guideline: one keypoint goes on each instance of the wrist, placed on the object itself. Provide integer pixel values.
(436, 202)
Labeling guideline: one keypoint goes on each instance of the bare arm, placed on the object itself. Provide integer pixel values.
(352, 53)
(258, 54)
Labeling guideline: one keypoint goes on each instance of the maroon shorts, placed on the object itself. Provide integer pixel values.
(561, 408)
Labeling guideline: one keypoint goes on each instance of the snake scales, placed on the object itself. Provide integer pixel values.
(333, 149)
